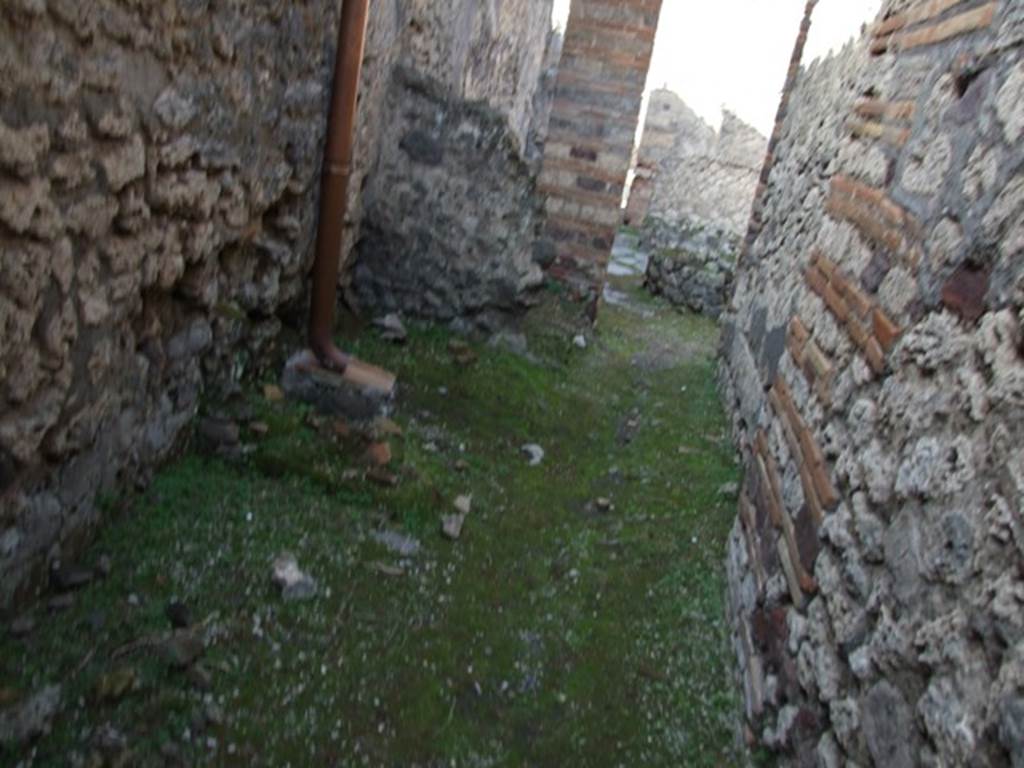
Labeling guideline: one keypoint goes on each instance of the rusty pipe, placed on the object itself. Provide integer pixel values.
(337, 170)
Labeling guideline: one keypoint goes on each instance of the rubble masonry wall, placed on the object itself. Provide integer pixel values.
(873, 364)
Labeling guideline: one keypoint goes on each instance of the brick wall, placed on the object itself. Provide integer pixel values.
(605, 59)
(875, 369)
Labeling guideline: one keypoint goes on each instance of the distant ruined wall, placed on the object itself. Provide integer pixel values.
(159, 177)
(688, 173)
(874, 363)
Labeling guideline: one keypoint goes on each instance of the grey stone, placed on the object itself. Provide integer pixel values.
(916, 659)
(397, 543)
(22, 626)
(175, 109)
(924, 174)
(294, 583)
(392, 328)
(695, 174)
(126, 164)
(450, 213)
(1009, 106)
(422, 147)
(20, 150)
(1011, 729)
(888, 724)
(948, 720)
(219, 432)
(828, 753)
(32, 718)
(10, 542)
(182, 649)
(67, 578)
(511, 341)
(534, 454)
(691, 264)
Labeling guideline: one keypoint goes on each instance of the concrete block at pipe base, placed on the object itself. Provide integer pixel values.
(361, 393)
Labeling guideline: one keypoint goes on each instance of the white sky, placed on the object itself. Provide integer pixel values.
(735, 53)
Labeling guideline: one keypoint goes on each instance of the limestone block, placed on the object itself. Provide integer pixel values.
(888, 723)
(175, 109)
(29, 208)
(22, 429)
(92, 217)
(927, 169)
(125, 164)
(1010, 105)
(22, 150)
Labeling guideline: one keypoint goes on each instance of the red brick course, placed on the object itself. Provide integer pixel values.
(819, 492)
(894, 35)
(868, 325)
(878, 218)
(768, 495)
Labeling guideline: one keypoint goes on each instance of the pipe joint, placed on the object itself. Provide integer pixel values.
(338, 169)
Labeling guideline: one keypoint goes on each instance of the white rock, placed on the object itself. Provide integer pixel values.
(451, 526)
(293, 582)
(534, 452)
(397, 543)
(1010, 106)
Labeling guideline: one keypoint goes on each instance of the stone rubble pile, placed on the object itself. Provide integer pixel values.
(691, 266)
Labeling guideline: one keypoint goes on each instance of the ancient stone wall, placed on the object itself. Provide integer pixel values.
(158, 179)
(445, 222)
(690, 174)
(692, 266)
(792, 74)
(874, 364)
(605, 59)
(159, 174)
(449, 220)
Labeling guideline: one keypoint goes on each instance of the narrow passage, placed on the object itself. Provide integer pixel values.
(578, 619)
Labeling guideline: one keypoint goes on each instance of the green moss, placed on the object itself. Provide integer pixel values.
(552, 633)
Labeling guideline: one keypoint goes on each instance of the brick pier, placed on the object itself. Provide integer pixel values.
(608, 46)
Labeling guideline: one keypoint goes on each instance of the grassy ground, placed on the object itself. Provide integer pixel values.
(557, 631)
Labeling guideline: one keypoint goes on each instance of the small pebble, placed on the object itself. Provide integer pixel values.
(104, 566)
(178, 614)
(61, 602)
(214, 715)
(200, 677)
(22, 626)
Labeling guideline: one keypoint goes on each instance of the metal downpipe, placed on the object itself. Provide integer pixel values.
(337, 169)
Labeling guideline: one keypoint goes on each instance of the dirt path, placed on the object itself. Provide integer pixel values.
(578, 620)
